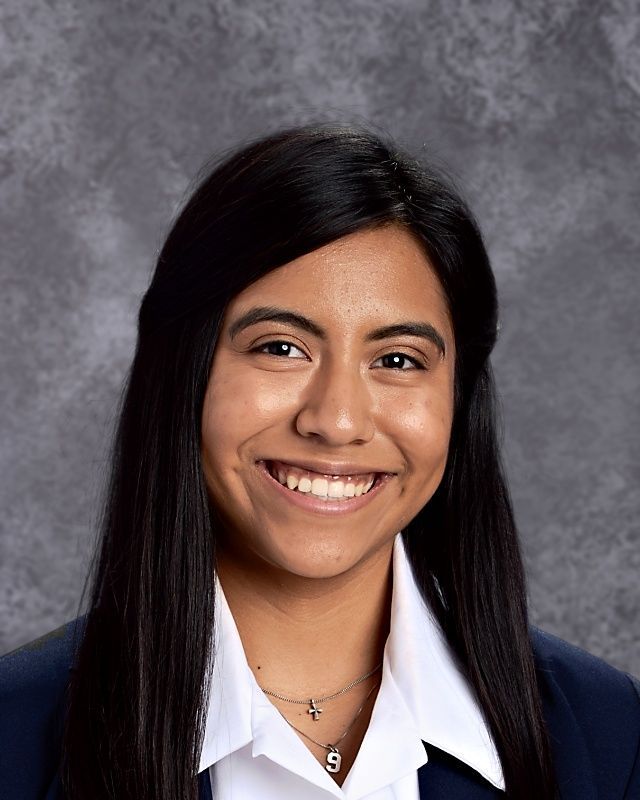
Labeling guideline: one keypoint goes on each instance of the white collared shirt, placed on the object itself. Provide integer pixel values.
(252, 752)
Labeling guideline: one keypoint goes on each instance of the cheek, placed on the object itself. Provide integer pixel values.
(423, 428)
(272, 399)
(424, 420)
(241, 405)
(241, 400)
(222, 411)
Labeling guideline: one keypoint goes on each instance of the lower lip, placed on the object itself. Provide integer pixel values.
(330, 507)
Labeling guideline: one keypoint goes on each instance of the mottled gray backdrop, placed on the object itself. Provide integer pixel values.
(109, 108)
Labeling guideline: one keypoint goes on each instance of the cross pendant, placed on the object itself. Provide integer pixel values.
(314, 710)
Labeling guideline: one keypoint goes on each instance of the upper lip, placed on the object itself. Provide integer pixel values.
(329, 467)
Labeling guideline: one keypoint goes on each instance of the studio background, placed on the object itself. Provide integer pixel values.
(109, 109)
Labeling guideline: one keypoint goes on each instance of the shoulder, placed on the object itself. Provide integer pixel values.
(592, 709)
(33, 682)
(36, 674)
(581, 674)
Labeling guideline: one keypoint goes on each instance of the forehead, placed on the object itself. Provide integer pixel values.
(368, 278)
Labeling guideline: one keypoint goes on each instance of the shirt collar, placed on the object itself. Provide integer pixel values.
(228, 723)
(418, 662)
(427, 673)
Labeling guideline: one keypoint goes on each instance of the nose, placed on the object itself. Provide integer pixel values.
(337, 407)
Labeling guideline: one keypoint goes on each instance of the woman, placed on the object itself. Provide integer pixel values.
(309, 582)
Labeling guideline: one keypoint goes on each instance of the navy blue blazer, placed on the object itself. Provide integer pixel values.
(592, 712)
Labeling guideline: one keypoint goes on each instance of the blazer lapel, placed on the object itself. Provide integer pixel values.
(573, 766)
(54, 792)
(204, 785)
(444, 777)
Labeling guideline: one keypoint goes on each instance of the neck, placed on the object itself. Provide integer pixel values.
(305, 636)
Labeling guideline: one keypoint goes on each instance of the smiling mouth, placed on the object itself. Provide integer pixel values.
(323, 487)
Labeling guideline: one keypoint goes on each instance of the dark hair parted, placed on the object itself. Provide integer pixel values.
(138, 694)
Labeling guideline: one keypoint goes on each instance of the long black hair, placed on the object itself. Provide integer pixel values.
(138, 694)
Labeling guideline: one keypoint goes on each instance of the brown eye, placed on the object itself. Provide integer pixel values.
(279, 348)
(400, 361)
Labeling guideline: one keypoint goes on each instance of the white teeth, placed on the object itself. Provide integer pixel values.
(339, 487)
(319, 487)
(336, 489)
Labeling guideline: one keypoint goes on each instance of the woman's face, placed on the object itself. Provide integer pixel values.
(330, 374)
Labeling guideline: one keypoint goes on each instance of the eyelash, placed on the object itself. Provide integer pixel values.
(260, 349)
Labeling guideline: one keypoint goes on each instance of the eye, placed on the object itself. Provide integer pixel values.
(399, 361)
(279, 348)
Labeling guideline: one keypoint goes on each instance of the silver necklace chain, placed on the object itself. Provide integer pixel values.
(307, 701)
(334, 757)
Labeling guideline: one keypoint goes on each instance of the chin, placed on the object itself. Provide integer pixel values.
(319, 556)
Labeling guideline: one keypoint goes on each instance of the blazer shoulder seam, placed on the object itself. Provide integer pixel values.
(635, 683)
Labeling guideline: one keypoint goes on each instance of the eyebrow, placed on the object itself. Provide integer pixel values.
(423, 330)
